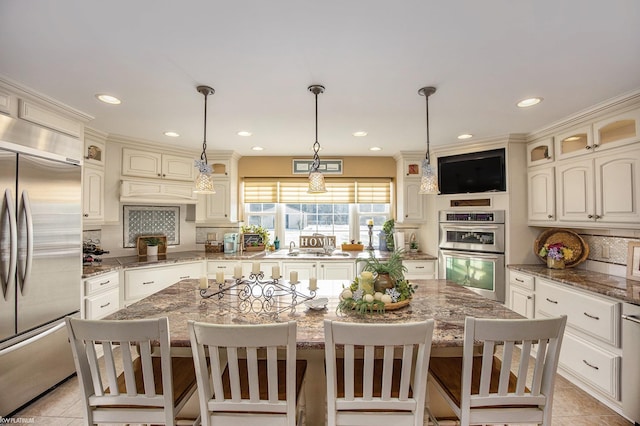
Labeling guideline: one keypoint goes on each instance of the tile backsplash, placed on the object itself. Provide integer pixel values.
(608, 248)
(143, 220)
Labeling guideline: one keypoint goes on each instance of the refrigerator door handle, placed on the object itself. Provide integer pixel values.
(28, 218)
(13, 242)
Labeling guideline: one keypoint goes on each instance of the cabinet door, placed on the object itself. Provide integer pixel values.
(540, 152)
(101, 305)
(413, 210)
(522, 301)
(618, 187)
(542, 194)
(93, 194)
(575, 196)
(578, 141)
(305, 270)
(141, 163)
(217, 205)
(621, 129)
(420, 269)
(178, 168)
(336, 270)
(226, 266)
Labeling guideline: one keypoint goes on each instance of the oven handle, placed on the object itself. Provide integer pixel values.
(470, 228)
(469, 255)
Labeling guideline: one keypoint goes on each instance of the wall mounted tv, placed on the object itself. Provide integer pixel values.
(474, 172)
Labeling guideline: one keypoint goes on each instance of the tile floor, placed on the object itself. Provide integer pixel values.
(572, 407)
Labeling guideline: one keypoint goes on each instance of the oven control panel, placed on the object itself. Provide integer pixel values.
(496, 216)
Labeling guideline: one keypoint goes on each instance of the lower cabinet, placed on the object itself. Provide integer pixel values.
(101, 295)
(421, 269)
(591, 354)
(142, 282)
(322, 270)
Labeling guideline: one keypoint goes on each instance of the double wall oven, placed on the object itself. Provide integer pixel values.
(472, 251)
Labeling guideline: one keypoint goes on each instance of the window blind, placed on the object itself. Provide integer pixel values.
(339, 191)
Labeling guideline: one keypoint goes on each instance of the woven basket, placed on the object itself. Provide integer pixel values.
(397, 305)
(569, 239)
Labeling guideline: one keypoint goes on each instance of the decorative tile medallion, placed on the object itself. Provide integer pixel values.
(143, 220)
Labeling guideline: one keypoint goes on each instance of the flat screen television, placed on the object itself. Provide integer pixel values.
(474, 172)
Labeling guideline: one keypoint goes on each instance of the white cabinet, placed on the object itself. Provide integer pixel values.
(322, 270)
(215, 207)
(159, 191)
(410, 202)
(621, 129)
(5, 102)
(225, 266)
(420, 269)
(157, 165)
(46, 117)
(142, 282)
(521, 294)
(92, 194)
(101, 295)
(574, 142)
(605, 189)
(540, 152)
(542, 194)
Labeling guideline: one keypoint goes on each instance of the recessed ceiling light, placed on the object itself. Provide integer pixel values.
(360, 134)
(172, 134)
(108, 99)
(257, 148)
(529, 102)
(375, 148)
(244, 133)
(465, 136)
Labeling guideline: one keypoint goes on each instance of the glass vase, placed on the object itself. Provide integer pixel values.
(555, 263)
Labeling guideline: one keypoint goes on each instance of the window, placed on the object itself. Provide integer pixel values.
(287, 210)
(345, 221)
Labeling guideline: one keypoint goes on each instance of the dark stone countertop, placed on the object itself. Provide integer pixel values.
(116, 263)
(607, 285)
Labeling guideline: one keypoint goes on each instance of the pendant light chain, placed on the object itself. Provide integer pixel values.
(429, 180)
(316, 179)
(428, 154)
(203, 156)
(204, 180)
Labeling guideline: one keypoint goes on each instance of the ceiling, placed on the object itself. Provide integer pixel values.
(371, 55)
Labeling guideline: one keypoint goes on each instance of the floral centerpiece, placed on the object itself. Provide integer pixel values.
(556, 254)
(361, 297)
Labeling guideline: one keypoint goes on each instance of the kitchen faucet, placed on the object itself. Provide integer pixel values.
(291, 245)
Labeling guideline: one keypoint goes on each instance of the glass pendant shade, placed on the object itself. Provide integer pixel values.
(204, 184)
(429, 180)
(316, 183)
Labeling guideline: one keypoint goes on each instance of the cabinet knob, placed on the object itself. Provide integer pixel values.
(598, 217)
(86, 215)
(163, 175)
(159, 175)
(587, 147)
(595, 145)
(529, 297)
(550, 216)
(590, 216)
(406, 215)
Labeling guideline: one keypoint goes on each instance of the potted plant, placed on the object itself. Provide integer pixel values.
(387, 272)
(152, 245)
(388, 227)
(413, 246)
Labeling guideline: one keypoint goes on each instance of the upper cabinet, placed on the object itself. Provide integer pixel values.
(410, 204)
(618, 130)
(93, 177)
(540, 152)
(156, 165)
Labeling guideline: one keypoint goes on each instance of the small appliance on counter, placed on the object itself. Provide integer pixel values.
(231, 241)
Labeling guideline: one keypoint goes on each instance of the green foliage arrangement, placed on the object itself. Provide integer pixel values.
(256, 229)
(353, 299)
(153, 241)
(392, 266)
(388, 228)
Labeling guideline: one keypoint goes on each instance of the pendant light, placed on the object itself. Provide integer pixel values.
(316, 179)
(204, 181)
(429, 180)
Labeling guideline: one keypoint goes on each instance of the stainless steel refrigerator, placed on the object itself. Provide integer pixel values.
(40, 258)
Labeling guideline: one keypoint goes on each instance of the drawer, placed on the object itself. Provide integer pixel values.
(589, 314)
(99, 306)
(521, 280)
(420, 267)
(597, 367)
(142, 283)
(226, 267)
(101, 283)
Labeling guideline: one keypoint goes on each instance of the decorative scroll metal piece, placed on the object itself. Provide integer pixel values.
(258, 296)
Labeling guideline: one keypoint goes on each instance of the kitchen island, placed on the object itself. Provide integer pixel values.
(444, 301)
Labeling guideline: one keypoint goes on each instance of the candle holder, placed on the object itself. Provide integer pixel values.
(370, 246)
(259, 296)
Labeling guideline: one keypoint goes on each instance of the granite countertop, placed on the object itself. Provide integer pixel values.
(608, 285)
(445, 301)
(117, 263)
